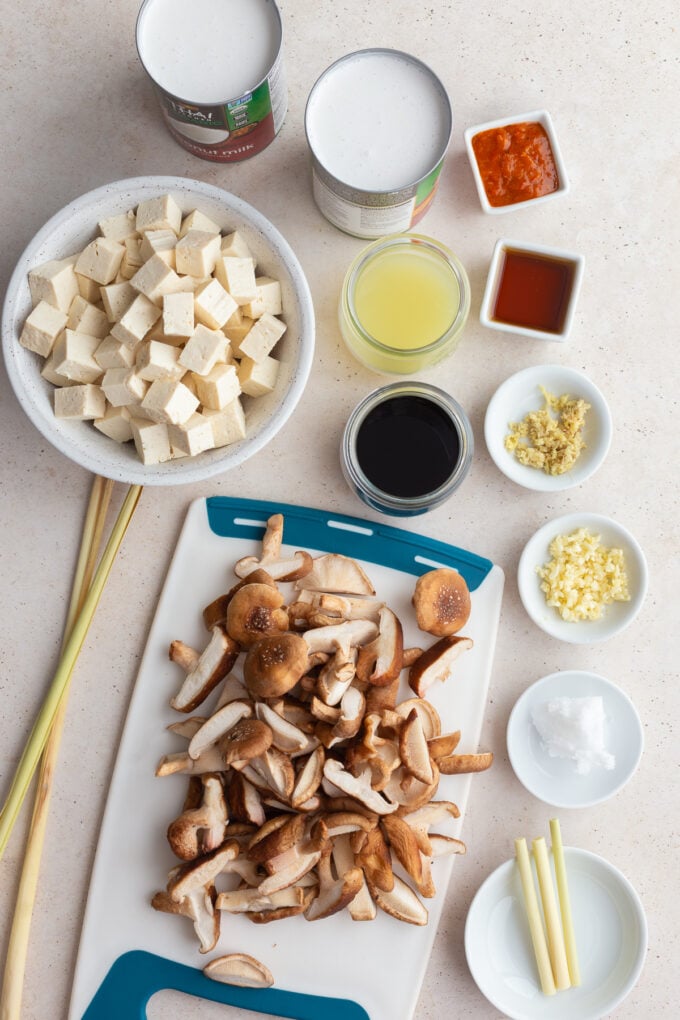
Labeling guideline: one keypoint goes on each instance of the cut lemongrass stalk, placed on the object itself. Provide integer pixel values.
(41, 728)
(538, 941)
(553, 925)
(565, 903)
(17, 950)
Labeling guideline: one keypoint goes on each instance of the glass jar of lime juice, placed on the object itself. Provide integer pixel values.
(404, 302)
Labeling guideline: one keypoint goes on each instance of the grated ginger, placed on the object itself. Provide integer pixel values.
(548, 443)
(583, 576)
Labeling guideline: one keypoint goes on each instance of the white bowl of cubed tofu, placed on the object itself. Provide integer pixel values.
(158, 330)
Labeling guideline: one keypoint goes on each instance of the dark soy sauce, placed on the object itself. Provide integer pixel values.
(407, 446)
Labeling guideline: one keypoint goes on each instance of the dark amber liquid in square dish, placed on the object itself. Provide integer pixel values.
(533, 291)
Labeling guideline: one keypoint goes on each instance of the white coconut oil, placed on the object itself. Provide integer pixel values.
(574, 728)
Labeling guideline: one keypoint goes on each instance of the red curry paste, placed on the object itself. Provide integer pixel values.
(516, 163)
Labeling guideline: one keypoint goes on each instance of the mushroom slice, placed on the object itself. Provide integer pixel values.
(199, 873)
(245, 740)
(277, 771)
(255, 612)
(277, 913)
(179, 763)
(455, 764)
(436, 663)
(429, 716)
(285, 736)
(275, 837)
(239, 969)
(413, 748)
(410, 656)
(443, 745)
(340, 823)
(380, 698)
(232, 690)
(443, 846)
(183, 655)
(289, 871)
(346, 607)
(211, 666)
(362, 907)
(215, 615)
(244, 801)
(336, 675)
(309, 778)
(270, 560)
(381, 661)
(343, 635)
(408, 793)
(294, 712)
(358, 787)
(273, 665)
(336, 574)
(334, 893)
(421, 819)
(375, 861)
(324, 713)
(217, 725)
(407, 851)
(400, 902)
(187, 727)
(352, 709)
(245, 900)
(199, 907)
(442, 602)
(201, 826)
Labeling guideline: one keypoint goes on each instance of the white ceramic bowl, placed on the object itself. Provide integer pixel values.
(521, 394)
(544, 251)
(67, 233)
(541, 117)
(555, 780)
(615, 616)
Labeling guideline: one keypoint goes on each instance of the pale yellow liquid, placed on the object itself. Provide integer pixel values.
(406, 298)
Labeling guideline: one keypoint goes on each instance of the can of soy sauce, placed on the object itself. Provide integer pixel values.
(217, 68)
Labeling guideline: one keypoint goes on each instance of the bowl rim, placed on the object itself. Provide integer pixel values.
(542, 117)
(185, 470)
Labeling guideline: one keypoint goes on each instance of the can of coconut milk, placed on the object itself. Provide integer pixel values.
(378, 124)
(217, 68)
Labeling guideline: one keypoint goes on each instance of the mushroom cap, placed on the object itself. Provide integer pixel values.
(239, 969)
(247, 738)
(336, 574)
(273, 665)
(255, 612)
(442, 601)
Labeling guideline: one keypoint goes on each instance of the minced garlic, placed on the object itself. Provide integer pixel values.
(583, 576)
(553, 444)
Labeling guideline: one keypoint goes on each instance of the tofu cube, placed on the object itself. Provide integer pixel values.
(237, 328)
(132, 259)
(151, 441)
(258, 377)
(100, 260)
(41, 328)
(254, 309)
(229, 424)
(122, 386)
(49, 373)
(197, 252)
(136, 321)
(117, 298)
(237, 276)
(160, 213)
(156, 360)
(159, 242)
(194, 436)
(54, 282)
(115, 424)
(269, 292)
(196, 220)
(111, 353)
(235, 246)
(169, 401)
(219, 387)
(88, 289)
(84, 317)
(178, 314)
(82, 402)
(155, 278)
(120, 227)
(264, 335)
(213, 306)
(204, 348)
(74, 357)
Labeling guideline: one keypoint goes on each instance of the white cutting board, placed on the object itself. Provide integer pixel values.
(378, 964)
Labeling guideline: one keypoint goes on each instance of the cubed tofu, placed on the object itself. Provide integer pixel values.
(196, 220)
(235, 245)
(41, 328)
(159, 242)
(236, 329)
(54, 282)
(100, 260)
(178, 314)
(213, 306)
(237, 276)
(120, 227)
(49, 373)
(194, 436)
(229, 424)
(136, 321)
(132, 259)
(111, 353)
(83, 402)
(264, 335)
(84, 317)
(88, 289)
(122, 386)
(169, 401)
(117, 298)
(160, 213)
(151, 441)
(258, 377)
(254, 309)
(204, 348)
(219, 387)
(73, 357)
(197, 252)
(115, 424)
(155, 278)
(156, 360)
(269, 293)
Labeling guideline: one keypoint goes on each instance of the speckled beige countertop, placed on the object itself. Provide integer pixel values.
(78, 113)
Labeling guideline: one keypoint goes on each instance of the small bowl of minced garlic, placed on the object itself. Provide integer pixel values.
(548, 428)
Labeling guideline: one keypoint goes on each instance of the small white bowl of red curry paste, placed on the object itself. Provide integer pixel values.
(532, 289)
(516, 161)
